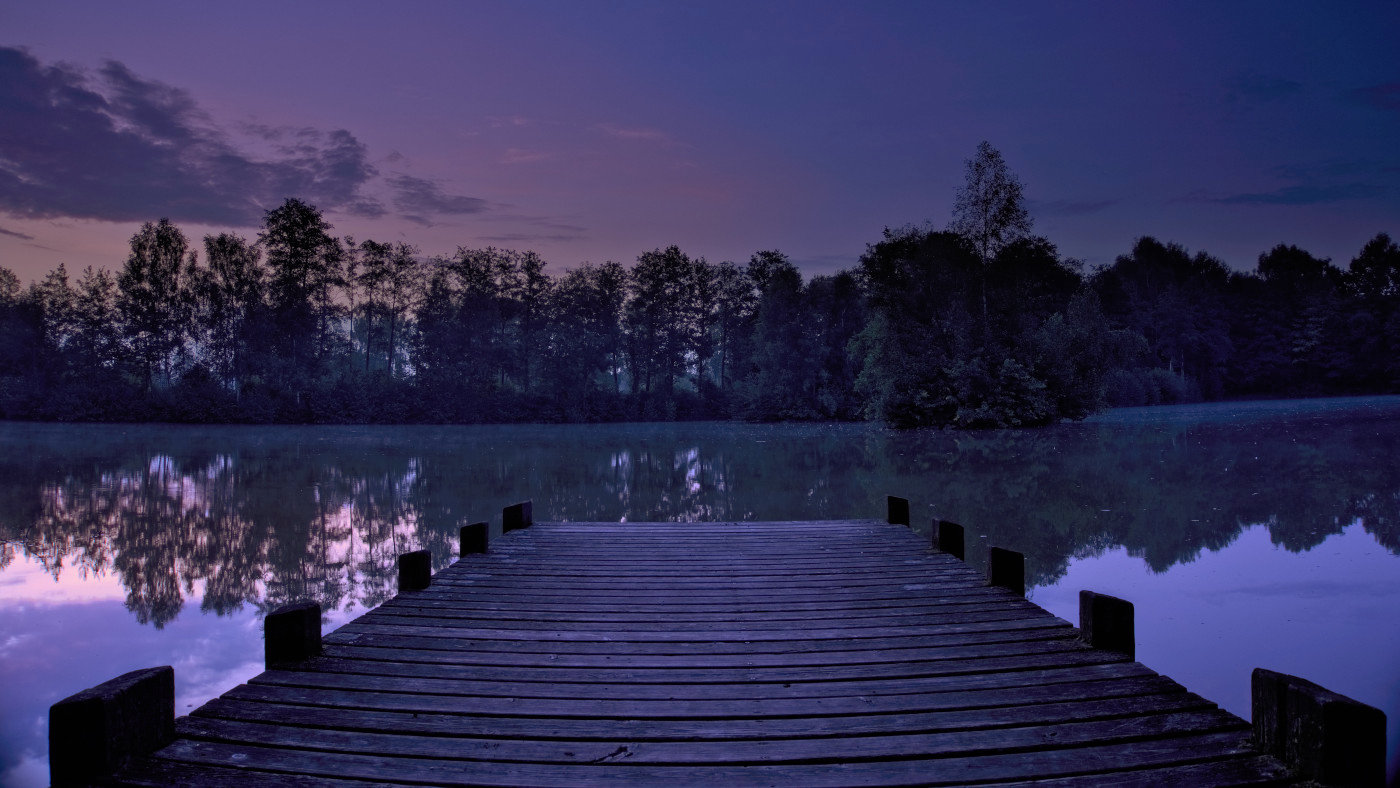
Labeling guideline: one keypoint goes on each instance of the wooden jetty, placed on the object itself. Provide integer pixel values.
(776, 653)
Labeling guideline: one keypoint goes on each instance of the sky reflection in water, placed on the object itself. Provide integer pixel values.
(1246, 534)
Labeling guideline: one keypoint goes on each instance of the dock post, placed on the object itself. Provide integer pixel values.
(1007, 569)
(415, 570)
(1317, 733)
(896, 510)
(948, 538)
(473, 539)
(1106, 622)
(517, 516)
(95, 732)
(291, 634)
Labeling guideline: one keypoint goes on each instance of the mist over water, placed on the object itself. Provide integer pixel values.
(1260, 533)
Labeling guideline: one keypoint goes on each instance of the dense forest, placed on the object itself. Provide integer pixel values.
(979, 325)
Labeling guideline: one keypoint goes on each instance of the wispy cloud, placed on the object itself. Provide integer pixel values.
(1261, 88)
(1385, 96)
(1329, 170)
(13, 234)
(420, 199)
(1306, 194)
(112, 146)
(523, 156)
(1315, 183)
(1069, 207)
(536, 228)
(518, 238)
(634, 133)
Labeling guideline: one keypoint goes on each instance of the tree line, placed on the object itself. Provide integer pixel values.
(979, 325)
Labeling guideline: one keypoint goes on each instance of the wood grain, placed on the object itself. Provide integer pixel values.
(775, 653)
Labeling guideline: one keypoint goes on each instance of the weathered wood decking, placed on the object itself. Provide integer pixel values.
(806, 653)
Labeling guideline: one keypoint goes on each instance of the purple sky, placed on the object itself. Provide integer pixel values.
(595, 131)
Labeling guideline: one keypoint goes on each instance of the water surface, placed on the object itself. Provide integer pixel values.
(1247, 534)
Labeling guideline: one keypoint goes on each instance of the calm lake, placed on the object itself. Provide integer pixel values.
(1247, 534)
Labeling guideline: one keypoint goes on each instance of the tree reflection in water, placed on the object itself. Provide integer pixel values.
(258, 516)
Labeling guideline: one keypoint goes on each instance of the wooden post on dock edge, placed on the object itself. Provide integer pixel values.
(1319, 734)
(95, 732)
(1006, 569)
(948, 538)
(415, 570)
(473, 539)
(896, 510)
(1106, 622)
(291, 634)
(517, 516)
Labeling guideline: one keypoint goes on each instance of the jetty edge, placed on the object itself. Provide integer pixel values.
(829, 652)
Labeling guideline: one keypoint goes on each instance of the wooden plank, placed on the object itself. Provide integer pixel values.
(793, 620)
(1242, 770)
(685, 606)
(1002, 645)
(630, 537)
(664, 582)
(608, 613)
(865, 551)
(778, 655)
(913, 593)
(931, 588)
(738, 566)
(865, 664)
(1071, 666)
(903, 574)
(930, 583)
(700, 629)
(587, 526)
(728, 572)
(796, 651)
(989, 661)
(613, 767)
(556, 557)
(983, 717)
(1026, 619)
(413, 701)
(733, 752)
(162, 773)
(644, 560)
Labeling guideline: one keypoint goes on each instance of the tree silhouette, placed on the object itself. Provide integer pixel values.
(1177, 302)
(989, 211)
(153, 299)
(305, 265)
(228, 300)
